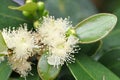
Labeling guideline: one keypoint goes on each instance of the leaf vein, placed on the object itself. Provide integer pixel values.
(85, 69)
(13, 17)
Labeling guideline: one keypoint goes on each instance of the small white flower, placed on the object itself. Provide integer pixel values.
(20, 41)
(53, 34)
(20, 66)
(8, 37)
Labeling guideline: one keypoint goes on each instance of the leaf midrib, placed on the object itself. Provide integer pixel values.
(85, 69)
(13, 17)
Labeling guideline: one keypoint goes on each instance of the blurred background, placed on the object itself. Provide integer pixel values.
(76, 11)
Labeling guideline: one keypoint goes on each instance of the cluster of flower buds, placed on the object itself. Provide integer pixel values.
(38, 13)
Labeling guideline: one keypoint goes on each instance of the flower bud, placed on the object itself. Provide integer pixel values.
(45, 13)
(28, 1)
(41, 6)
(70, 31)
(25, 13)
(36, 24)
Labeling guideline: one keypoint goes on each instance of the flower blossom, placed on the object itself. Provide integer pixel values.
(22, 67)
(20, 43)
(53, 34)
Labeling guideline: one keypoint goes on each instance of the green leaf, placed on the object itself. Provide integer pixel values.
(113, 7)
(95, 27)
(5, 70)
(2, 54)
(10, 17)
(111, 41)
(111, 60)
(30, 7)
(3, 46)
(46, 71)
(90, 49)
(117, 13)
(65, 74)
(13, 79)
(85, 68)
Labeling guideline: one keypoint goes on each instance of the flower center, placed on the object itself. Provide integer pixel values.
(23, 40)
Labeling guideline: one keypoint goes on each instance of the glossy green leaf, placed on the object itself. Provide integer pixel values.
(85, 68)
(112, 41)
(11, 18)
(111, 60)
(46, 71)
(5, 70)
(117, 13)
(3, 46)
(65, 74)
(95, 27)
(90, 49)
(2, 54)
(30, 7)
(13, 79)
(113, 7)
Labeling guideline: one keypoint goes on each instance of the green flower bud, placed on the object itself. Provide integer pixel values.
(45, 13)
(28, 1)
(41, 6)
(70, 31)
(27, 14)
(36, 24)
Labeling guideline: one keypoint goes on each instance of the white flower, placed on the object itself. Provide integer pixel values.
(20, 44)
(20, 66)
(8, 37)
(20, 41)
(53, 34)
